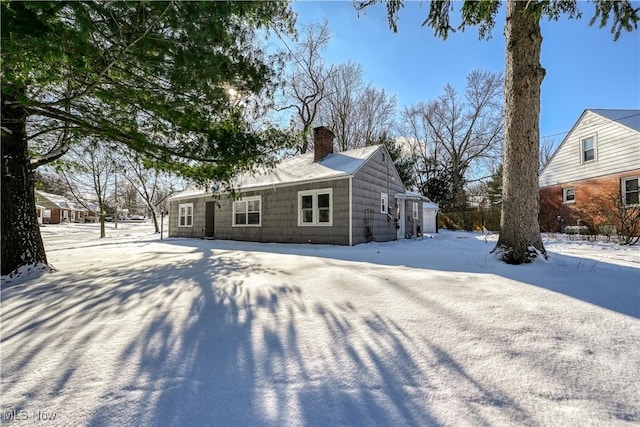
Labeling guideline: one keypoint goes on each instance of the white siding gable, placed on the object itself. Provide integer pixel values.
(617, 149)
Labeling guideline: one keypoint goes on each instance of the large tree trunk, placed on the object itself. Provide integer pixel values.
(519, 228)
(21, 240)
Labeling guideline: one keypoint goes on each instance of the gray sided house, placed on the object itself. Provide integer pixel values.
(323, 197)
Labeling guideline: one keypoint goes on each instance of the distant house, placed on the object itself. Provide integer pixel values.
(341, 198)
(55, 209)
(600, 156)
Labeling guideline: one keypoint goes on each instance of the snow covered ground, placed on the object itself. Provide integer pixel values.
(131, 330)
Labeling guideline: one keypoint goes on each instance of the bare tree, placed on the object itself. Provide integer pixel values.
(152, 185)
(375, 115)
(88, 172)
(306, 85)
(454, 133)
(548, 147)
(339, 113)
(357, 113)
(418, 138)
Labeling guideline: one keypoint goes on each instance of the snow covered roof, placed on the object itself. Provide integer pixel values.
(60, 201)
(303, 168)
(430, 205)
(411, 195)
(628, 118)
(56, 199)
(298, 169)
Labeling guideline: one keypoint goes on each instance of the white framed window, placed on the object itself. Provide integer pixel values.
(569, 195)
(185, 215)
(65, 214)
(630, 191)
(384, 203)
(315, 207)
(247, 212)
(415, 210)
(588, 149)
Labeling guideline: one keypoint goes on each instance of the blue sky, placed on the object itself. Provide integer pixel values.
(585, 67)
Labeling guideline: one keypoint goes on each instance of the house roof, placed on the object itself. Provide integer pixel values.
(411, 195)
(298, 169)
(60, 201)
(56, 199)
(430, 205)
(303, 168)
(628, 118)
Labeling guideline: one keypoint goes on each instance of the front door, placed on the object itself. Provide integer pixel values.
(210, 218)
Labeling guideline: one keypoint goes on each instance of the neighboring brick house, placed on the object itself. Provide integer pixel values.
(341, 198)
(55, 209)
(599, 158)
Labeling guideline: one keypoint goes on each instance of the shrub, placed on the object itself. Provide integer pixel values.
(608, 215)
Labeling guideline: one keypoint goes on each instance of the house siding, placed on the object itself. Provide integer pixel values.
(617, 151)
(586, 192)
(197, 230)
(378, 175)
(280, 216)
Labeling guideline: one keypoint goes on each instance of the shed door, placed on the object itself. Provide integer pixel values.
(210, 217)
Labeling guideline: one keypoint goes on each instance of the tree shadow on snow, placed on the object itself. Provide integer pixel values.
(611, 286)
(199, 343)
(220, 339)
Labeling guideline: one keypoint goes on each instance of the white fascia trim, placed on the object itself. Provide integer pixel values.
(260, 187)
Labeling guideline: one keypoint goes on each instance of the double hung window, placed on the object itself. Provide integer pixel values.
(315, 207)
(630, 191)
(248, 212)
(185, 215)
(588, 149)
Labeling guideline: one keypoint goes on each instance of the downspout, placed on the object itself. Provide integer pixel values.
(351, 211)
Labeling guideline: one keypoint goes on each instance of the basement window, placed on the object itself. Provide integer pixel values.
(569, 195)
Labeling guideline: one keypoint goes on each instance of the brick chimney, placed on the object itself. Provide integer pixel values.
(322, 142)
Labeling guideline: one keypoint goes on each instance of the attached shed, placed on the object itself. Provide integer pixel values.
(410, 214)
(341, 198)
(430, 217)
